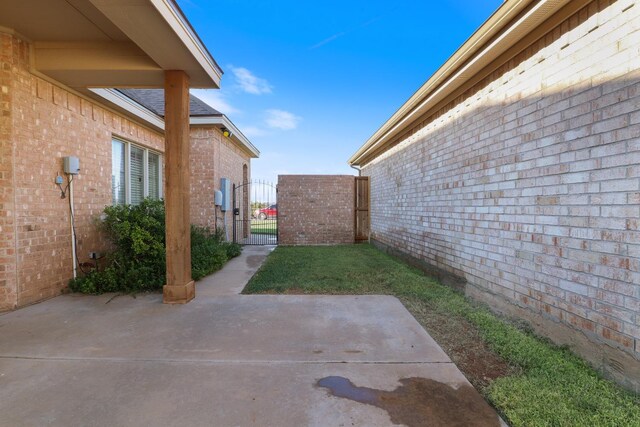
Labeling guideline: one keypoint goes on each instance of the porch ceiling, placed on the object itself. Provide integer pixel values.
(110, 43)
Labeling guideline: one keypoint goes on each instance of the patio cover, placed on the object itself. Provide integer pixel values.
(87, 44)
(110, 43)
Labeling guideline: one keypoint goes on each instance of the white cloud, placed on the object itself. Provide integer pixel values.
(216, 99)
(250, 83)
(279, 119)
(252, 131)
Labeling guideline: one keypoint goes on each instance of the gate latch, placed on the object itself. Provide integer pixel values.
(236, 211)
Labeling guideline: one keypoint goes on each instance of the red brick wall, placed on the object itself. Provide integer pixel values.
(213, 157)
(40, 123)
(528, 186)
(315, 209)
(48, 123)
(8, 283)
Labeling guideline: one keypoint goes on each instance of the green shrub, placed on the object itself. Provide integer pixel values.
(208, 253)
(138, 262)
(233, 249)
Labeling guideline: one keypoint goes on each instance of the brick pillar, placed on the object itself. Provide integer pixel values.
(179, 288)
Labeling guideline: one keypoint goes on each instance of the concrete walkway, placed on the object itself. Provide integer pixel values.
(232, 279)
(228, 360)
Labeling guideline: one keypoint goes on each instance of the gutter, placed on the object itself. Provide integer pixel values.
(489, 42)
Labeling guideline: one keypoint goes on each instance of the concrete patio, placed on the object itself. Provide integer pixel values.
(227, 360)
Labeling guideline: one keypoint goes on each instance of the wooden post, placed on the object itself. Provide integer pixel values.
(179, 288)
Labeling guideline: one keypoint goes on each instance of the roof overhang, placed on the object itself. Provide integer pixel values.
(130, 107)
(513, 27)
(236, 136)
(108, 43)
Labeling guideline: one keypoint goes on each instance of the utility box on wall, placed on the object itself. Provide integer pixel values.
(71, 165)
(225, 187)
(217, 198)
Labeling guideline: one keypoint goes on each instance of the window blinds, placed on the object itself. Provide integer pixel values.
(136, 168)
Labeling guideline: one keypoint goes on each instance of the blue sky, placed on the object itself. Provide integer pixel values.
(309, 82)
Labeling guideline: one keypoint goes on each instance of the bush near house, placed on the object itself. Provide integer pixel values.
(138, 262)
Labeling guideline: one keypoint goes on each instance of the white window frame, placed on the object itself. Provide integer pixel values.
(145, 169)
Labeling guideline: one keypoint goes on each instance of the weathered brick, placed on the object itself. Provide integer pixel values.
(572, 217)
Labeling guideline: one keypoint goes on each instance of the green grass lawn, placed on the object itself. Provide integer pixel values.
(547, 385)
(267, 226)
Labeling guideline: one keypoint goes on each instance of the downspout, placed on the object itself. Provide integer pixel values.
(356, 168)
(74, 252)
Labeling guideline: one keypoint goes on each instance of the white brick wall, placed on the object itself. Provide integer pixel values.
(528, 185)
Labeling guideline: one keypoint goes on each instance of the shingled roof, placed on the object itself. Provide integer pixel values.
(153, 100)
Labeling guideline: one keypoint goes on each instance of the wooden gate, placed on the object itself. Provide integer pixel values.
(362, 209)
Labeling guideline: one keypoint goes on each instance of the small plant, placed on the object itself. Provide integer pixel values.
(138, 262)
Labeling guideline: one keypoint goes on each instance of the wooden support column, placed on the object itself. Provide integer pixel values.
(179, 288)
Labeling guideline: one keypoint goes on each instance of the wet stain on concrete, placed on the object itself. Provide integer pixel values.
(420, 402)
(254, 261)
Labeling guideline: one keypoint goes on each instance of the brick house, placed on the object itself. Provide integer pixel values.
(514, 172)
(57, 62)
(218, 150)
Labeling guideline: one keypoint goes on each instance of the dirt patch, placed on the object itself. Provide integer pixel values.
(420, 402)
(462, 342)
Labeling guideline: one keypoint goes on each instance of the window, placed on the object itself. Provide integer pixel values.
(118, 189)
(136, 173)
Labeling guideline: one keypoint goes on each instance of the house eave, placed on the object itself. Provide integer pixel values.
(133, 108)
(106, 43)
(181, 26)
(512, 22)
(130, 106)
(236, 136)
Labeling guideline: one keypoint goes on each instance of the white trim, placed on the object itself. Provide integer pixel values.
(223, 120)
(191, 41)
(130, 106)
(160, 175)
(145, 169)
(153, 119)
(145, 173)
(127, 173)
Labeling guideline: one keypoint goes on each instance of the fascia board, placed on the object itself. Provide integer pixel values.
(462, 66)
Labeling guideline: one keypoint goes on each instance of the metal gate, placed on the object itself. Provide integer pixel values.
(255, 213)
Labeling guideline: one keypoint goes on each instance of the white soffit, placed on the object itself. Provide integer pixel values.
(110, 43)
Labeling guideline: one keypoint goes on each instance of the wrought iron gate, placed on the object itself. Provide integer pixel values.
(255, 213)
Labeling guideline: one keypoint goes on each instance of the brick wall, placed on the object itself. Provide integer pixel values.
(8, 284)
(213, 157)
(528, 187)
(315, 209)
(48, 123)
(40, 123)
